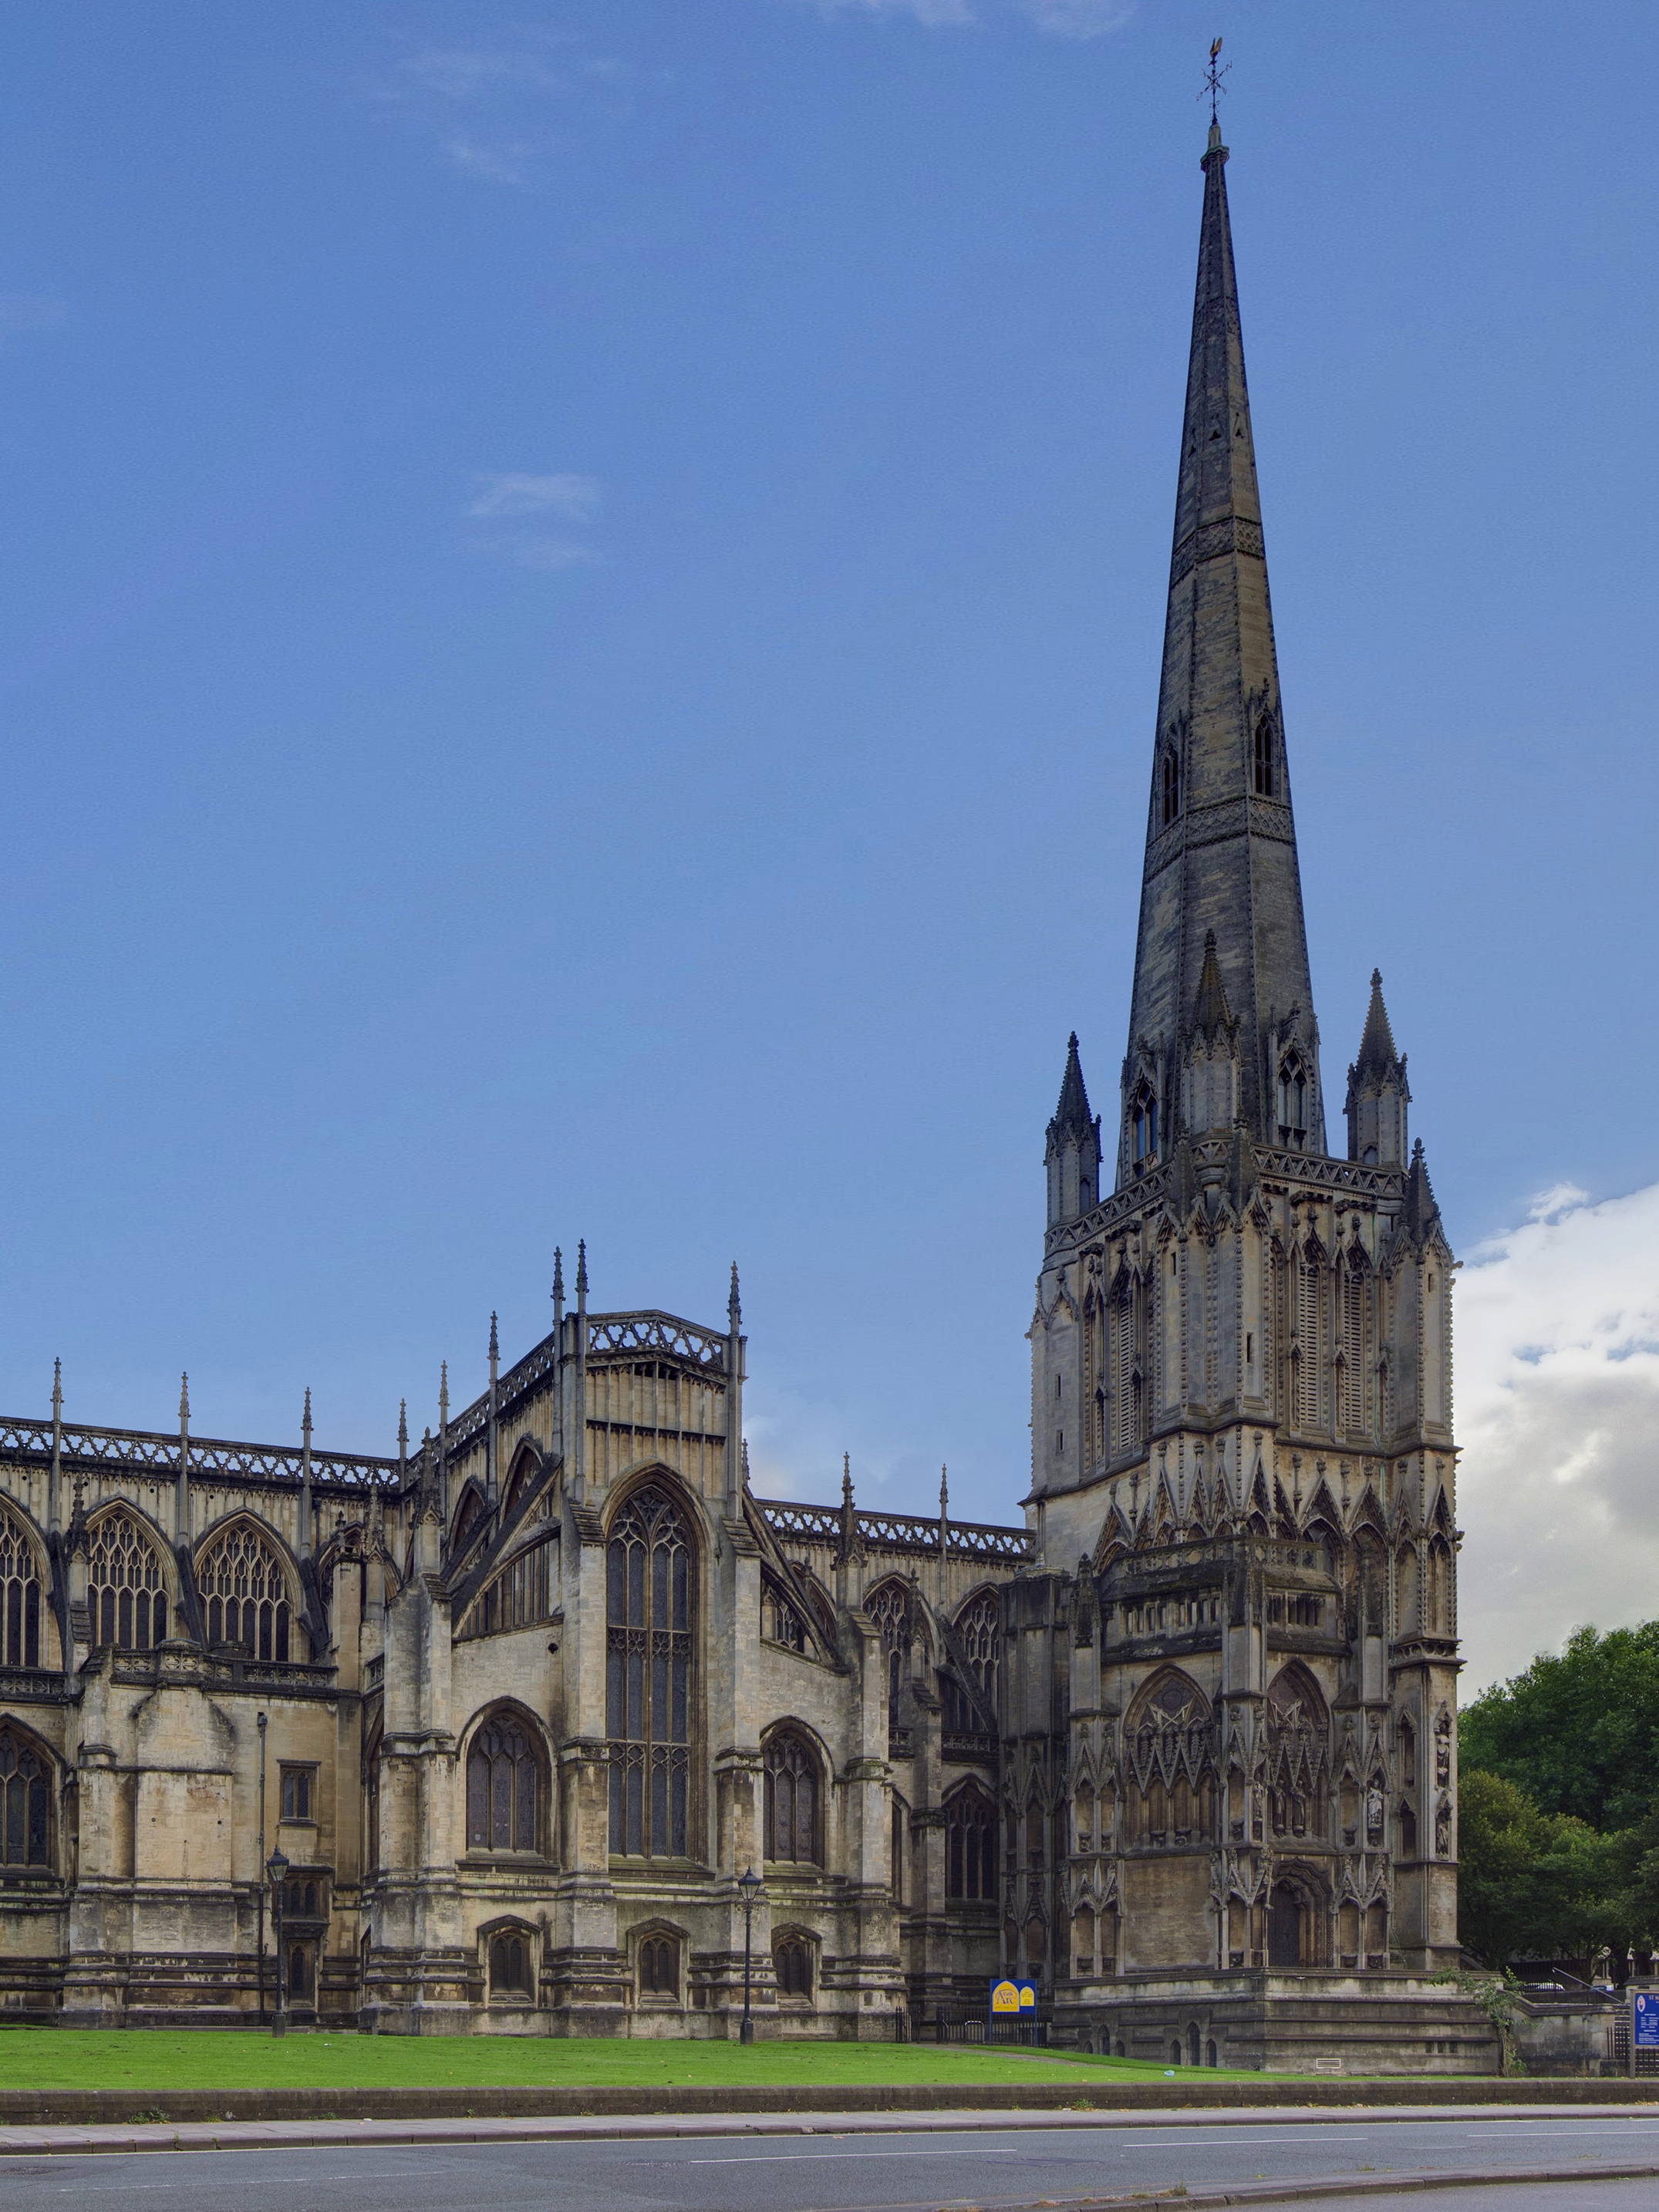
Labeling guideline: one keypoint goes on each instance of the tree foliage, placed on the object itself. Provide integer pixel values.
(1579, 1730)
(1559, 1814)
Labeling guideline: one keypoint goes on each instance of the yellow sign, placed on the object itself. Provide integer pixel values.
(1005, 1997)
(1028, 1996)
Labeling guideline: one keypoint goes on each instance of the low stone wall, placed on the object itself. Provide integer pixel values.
(84, 2107)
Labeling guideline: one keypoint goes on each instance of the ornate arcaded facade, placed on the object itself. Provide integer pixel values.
(520, 1705)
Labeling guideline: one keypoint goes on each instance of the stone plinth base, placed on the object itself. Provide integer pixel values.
(1391, 2022)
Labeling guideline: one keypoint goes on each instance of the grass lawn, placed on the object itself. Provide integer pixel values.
(167, 2058)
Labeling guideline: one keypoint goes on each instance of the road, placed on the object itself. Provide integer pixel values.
(851, 2173)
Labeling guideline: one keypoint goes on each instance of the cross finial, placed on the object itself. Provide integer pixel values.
(1212, 77)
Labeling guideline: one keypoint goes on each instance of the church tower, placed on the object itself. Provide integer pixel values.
(1242, 1481)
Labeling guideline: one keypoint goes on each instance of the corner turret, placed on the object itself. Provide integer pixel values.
(1073, 1153)
(1379, 1094)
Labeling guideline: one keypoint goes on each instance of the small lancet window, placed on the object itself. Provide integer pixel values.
(1171, 785)
(1144, 1125)
(1293, 1104)
(1264, 757)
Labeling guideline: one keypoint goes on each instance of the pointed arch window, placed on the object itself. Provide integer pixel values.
(245, 1592)
(1170, 795)
(25, 1801)
(794, 1825)
(503, 1789)
(648, 1684)
(125, 1595)
(1263, 762)
(889, 1607)
(1295, 1095)
(979, 1627)
(1143, 1124)
(970, 1846)
(20, 1597)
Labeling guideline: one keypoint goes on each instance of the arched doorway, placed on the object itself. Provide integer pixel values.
(1285, 1911)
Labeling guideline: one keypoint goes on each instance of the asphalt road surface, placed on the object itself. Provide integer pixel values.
(920, 2173)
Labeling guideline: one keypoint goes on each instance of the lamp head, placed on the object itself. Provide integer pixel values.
(276, 1868)
(749, 1884)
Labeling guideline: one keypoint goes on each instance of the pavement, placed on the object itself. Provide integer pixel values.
(1574, 2158)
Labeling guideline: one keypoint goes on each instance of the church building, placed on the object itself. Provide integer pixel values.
(520, 1705)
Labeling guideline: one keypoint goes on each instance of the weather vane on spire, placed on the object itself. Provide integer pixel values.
(1212, 77)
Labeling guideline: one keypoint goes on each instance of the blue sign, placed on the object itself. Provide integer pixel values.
(1644, 2023)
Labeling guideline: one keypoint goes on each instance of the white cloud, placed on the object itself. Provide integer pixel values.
(512, 510)
(486, 102)
(1066, 18)
(506, 163)
(474, 73)
(1557, 1417)
(573, 498)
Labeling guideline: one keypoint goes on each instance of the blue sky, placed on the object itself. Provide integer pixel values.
(580, 599)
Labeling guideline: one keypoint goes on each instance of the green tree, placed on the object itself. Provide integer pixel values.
(1579, 1730)
(1545, 1884)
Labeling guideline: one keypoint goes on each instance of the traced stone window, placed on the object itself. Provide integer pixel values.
(20, 1597)
(791, 1965)
(1170, 1742)
(1263, 763)
(509, 1964)
(299, 1786)
(648, 1686)
(1297, 1753)
(24, 1802)
(503, 1778)
(780, 1618)
(518, 1597)
(1171, 794)
(889, 1607)
(659, 1967)
(245, 1592)
(125, 1595)
(970, 1845)
(793, 1830)
(979, 1625)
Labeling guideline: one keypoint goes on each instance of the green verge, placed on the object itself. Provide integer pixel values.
(167, 2058)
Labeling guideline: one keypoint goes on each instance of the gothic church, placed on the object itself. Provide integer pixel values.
(519, 1705)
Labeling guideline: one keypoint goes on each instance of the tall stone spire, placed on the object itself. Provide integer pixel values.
(1221, 842)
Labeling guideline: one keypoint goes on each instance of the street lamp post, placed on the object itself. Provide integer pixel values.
(748, 1888)
(276, 1868)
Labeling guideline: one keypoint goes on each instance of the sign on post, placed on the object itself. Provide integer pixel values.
(1643, 2024)
(1010, 1999)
